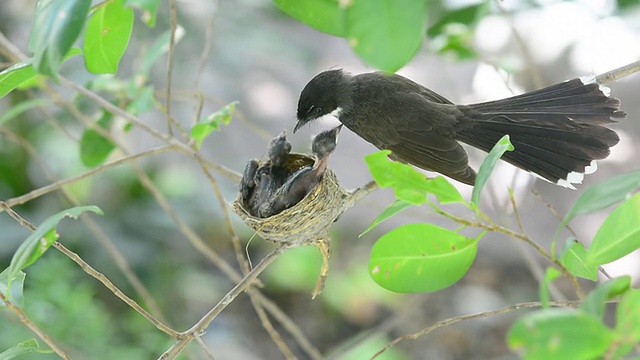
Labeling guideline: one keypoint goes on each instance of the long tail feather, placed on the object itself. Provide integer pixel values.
(557, 131)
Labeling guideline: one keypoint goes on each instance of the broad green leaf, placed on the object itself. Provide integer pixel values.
(603, 195)
(421, 257)
(394, 208)
(594, 303)
(212, 122)
(41, 239)
(149, 10)
(25, 347)
(107, 36)
(322, 15)
(12, 77)
(95, 148)
(56, 26)
(409, 184)
(385, 34)
(550, 275)
(559, 334)
(12, 288)
(628, 317)
(619, 235)
(22, 107)
(572, 257)
(503, 145)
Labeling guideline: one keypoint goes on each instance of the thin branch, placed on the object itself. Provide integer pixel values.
(34, 194)
(268, 326)
(33, 327)
(115, 290)
(172, 45)
(94, 273)
(453, 320)
(567, 226)
(536, 269)
(204, 348)
(187, 336)
(619, 73)
(97, 231)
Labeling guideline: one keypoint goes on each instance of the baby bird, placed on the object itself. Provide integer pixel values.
(305, 179)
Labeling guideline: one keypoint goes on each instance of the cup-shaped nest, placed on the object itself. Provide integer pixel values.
(308, 221)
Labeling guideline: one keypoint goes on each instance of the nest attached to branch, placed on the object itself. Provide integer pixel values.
(307, 222)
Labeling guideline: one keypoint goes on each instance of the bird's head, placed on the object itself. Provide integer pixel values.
(320, 97)
(279, 149)
(325, 142)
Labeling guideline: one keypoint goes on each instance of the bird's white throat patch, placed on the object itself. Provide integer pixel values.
(332, 116)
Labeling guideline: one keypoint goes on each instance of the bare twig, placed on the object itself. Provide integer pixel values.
(187, 336)
(34, 194)
(97, 231)
(95, 274)
(115, 290)
(453, 320)
(619, 73)
(33, 327)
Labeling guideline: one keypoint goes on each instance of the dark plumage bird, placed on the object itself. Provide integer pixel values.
(557, 131)
(259, 183)
(305, 179)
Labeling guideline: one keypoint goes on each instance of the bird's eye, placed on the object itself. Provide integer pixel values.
(310, 109)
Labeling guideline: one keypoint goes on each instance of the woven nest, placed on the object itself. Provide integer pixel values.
(308, 221)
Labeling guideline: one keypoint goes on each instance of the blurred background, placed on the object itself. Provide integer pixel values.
(262, 58)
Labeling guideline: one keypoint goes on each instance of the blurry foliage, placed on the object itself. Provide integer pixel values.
(73, 309)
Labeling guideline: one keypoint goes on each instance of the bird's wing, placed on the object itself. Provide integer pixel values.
(431, 151)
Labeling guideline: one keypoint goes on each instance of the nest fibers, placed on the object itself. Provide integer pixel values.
(307, 222)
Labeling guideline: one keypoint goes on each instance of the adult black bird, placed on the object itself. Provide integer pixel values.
(557, 131)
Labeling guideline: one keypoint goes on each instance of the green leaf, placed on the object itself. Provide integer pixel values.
(25, 347)
(594, 303)
(22, 107)
(159, 47)
(618, 236)
(12, 77)
(95, 148)
(421, 257)
(468, 15)
(149, 10)
(409, 184)
(559, 334)
(56, 26)
(603, 195)
(12, 288)
(322, 15)
(503, 145)
(394, 208)
(385, 34)
(41, 239)
(628, 317)
(143, 101)
(572, 257)
(107, 36)
(212, 122)
(550, 275)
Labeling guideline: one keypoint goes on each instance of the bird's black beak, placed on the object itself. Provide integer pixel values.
(299, 124)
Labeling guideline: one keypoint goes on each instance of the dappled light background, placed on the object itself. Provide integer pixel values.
(262, 58)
